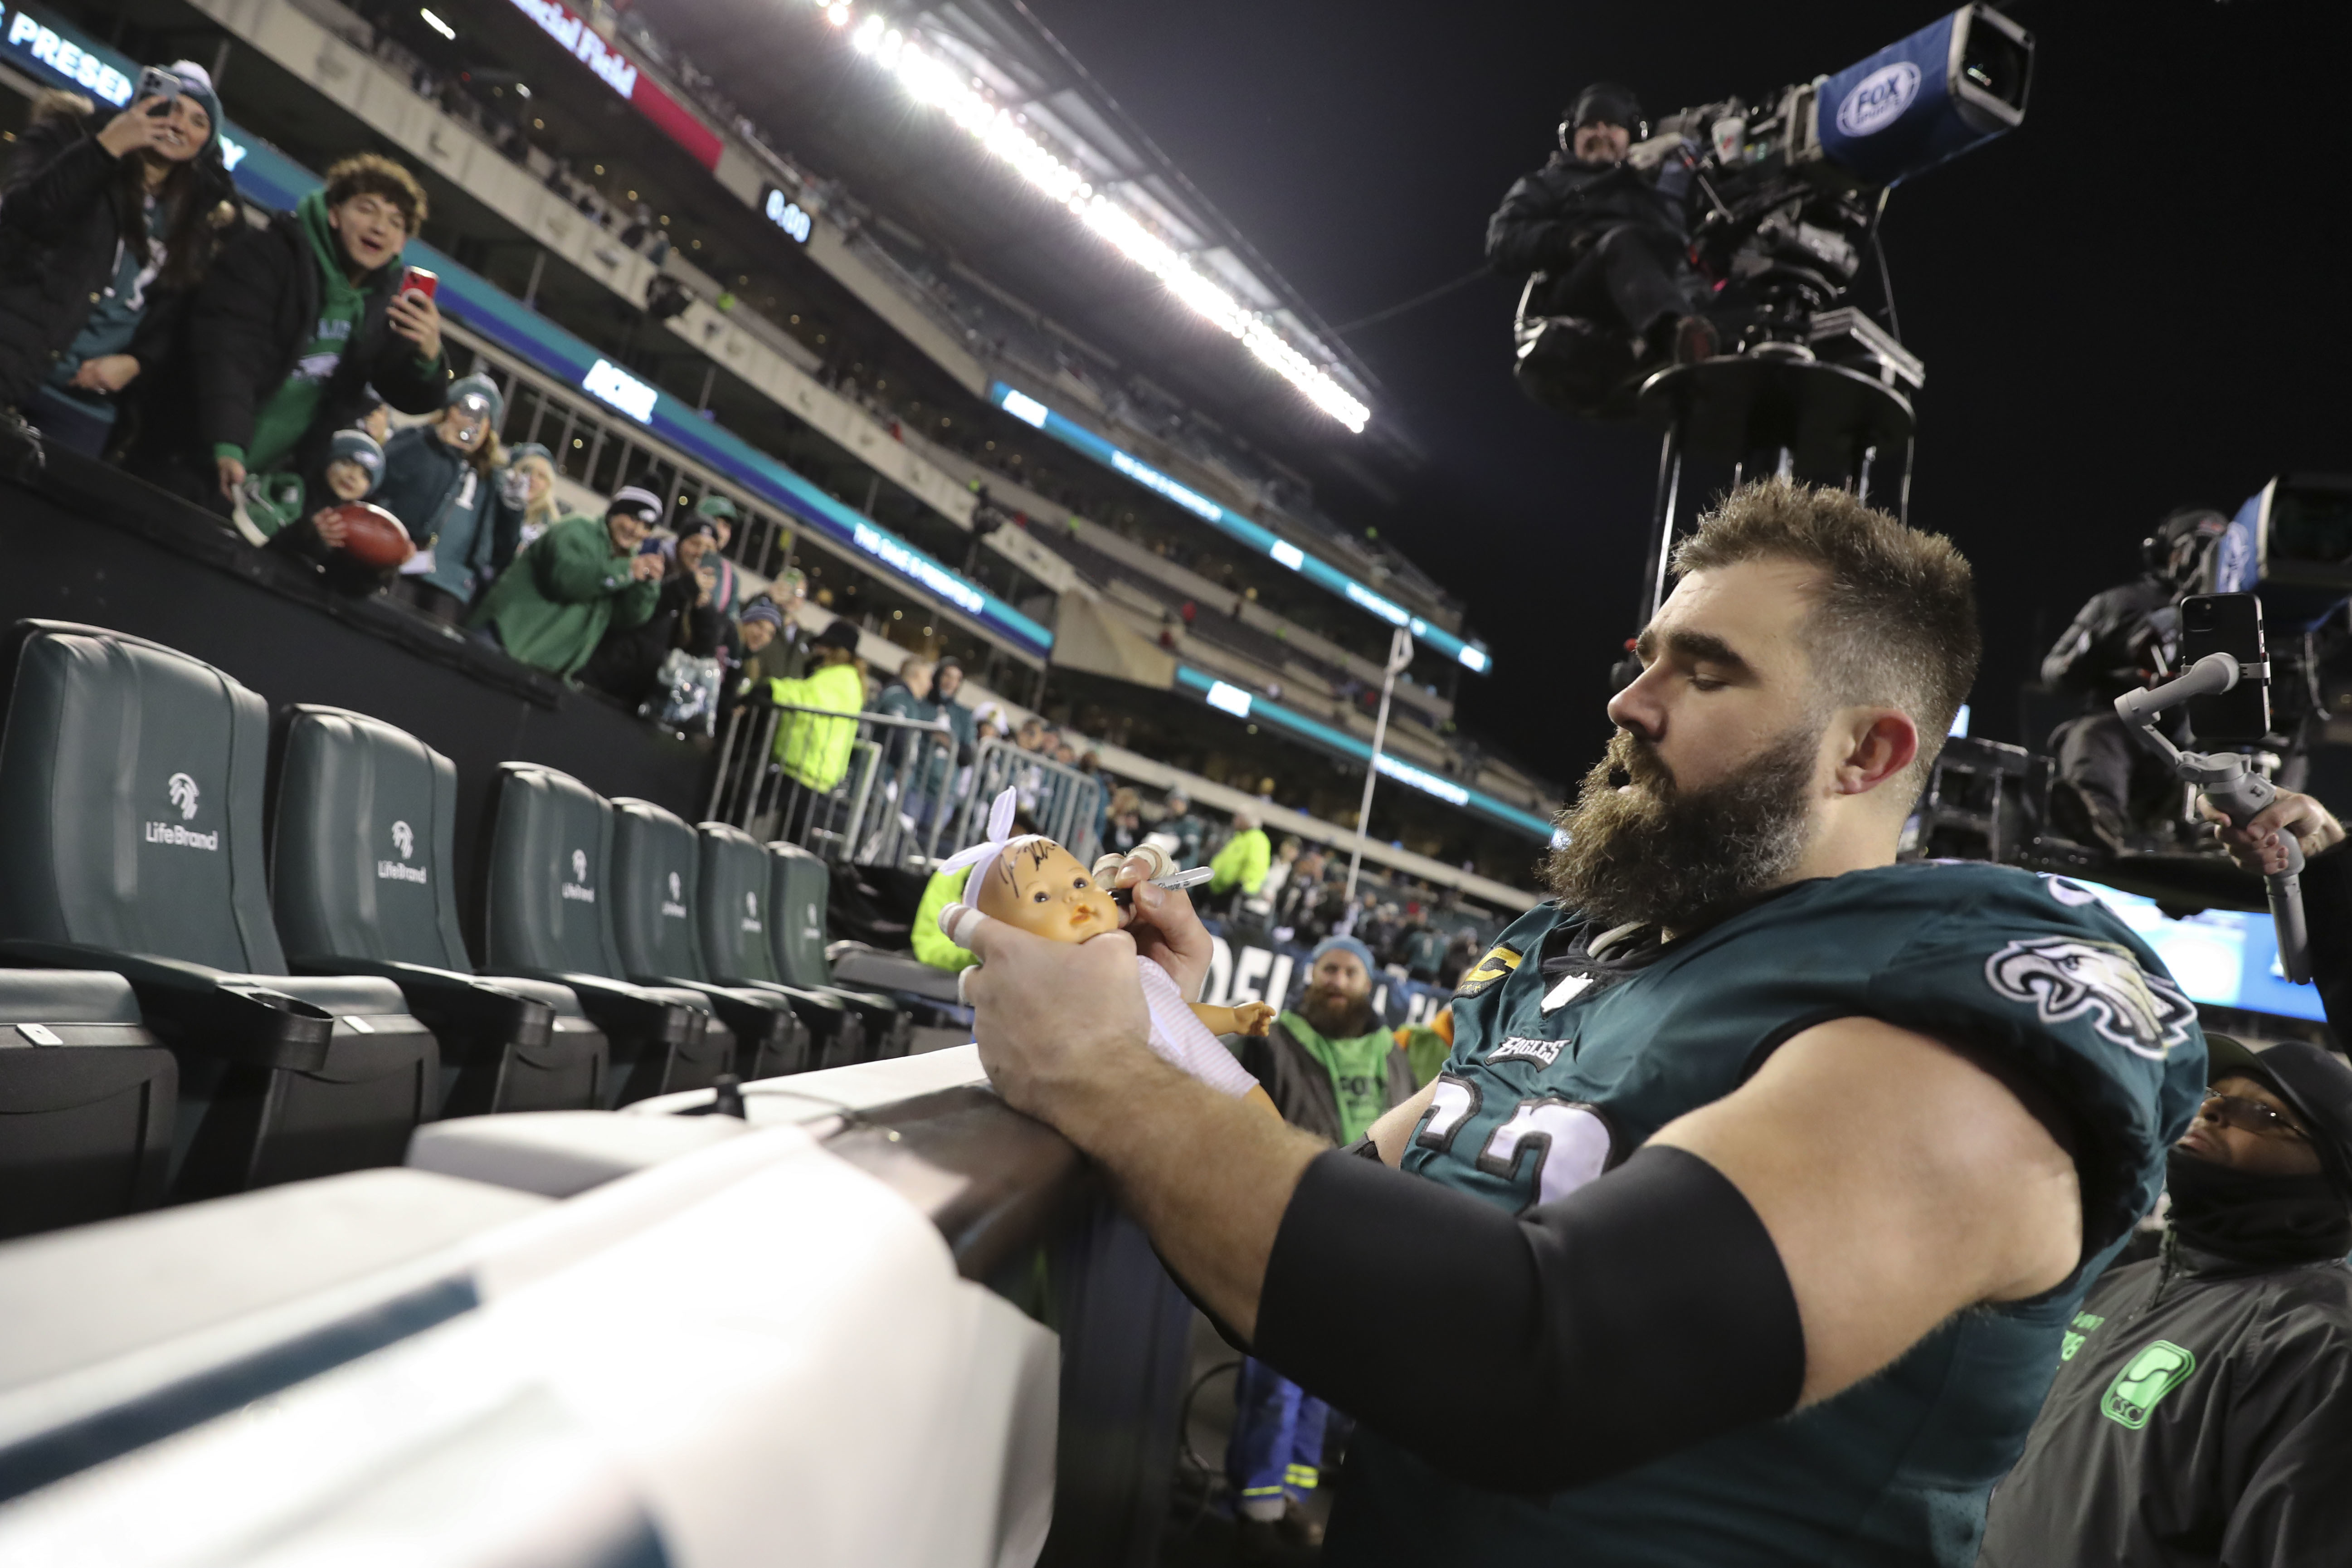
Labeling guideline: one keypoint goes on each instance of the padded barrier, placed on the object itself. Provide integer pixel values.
(132, 782)
(360, 877)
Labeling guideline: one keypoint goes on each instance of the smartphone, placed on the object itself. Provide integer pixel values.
(2231, 624)
(423, 282)
(157, 82)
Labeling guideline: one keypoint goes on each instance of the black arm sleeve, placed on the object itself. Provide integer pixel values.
(1567, 1333)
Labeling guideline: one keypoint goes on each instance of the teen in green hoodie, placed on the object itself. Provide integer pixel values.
(292, 325)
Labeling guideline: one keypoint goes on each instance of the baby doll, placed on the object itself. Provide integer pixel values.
(1034, 884)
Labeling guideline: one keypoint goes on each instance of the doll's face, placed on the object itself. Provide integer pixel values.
(1041, 888)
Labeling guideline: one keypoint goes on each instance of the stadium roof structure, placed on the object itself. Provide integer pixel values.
(1003, 154)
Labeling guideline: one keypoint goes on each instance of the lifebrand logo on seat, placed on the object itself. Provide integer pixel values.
(184, 794)
(404, 839)
(674, 905)
(577, 889)
(752, 911)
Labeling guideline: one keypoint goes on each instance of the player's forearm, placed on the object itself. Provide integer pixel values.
(1208, 1177)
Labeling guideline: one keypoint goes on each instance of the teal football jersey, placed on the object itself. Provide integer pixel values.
(1555, 1078)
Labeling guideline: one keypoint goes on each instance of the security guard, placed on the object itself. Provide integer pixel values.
(2202, 1413)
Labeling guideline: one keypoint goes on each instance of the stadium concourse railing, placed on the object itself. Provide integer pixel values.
(904, 798)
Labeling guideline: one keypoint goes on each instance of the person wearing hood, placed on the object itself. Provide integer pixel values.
(108, 222)
(440, 480)
(2203, 1410)
(294, 323)
(582, 578)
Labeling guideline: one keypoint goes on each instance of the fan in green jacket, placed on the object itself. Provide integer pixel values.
(814, 751)
(577, 581)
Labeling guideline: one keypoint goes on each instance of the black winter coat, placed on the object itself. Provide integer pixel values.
(2202, 1418)
(245, 329)
(2101, 654)
(1300, 1086)
(626, 661)
(64, 216)
(1551, 217)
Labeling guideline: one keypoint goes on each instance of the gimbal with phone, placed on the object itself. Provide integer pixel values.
(2228, 780)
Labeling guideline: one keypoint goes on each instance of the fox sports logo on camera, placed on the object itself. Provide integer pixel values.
(1878, 100)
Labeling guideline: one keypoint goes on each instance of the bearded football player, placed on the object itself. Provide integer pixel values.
(1765, 1174)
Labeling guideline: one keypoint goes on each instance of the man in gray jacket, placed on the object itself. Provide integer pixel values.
(2202, 1411)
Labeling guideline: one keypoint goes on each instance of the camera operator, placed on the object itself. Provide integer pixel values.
(1604, 239)
(2114, 647)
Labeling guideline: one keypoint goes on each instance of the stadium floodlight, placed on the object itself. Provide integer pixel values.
(932, 80)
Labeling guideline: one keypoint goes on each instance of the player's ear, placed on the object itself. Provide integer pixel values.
(1882, 742)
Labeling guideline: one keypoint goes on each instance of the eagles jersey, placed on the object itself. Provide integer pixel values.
(1556, 1076)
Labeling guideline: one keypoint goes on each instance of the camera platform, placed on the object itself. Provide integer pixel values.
(1777, 408)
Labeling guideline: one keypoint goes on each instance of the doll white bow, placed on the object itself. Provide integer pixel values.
(999, 840)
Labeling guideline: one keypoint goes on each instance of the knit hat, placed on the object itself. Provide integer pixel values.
(1345, 944)
(358, 447)
(476, 394)
(1605, 103)
(636, 502)
(717, 507)
(690, 527)
(841, 634)
(197, 83)
(763, 611)
(529, 449)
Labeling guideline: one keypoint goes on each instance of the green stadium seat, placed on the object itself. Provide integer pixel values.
(360, 874)
(656, 869)
(131, 781)
(732, 914)
(547, 913)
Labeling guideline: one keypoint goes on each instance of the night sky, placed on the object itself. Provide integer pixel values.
(2134, 302)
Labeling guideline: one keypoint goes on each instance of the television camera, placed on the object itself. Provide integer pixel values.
(1791, 187)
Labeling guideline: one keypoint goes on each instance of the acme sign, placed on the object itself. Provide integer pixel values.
(558, 22)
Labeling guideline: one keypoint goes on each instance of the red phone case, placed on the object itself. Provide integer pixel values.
(425, 283)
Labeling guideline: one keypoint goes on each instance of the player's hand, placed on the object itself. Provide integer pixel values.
(2261, 845)
(330, 528)
(232, 474)
(1053, 1019)
(1165, 927)
(1254, 1018)
(415, 317)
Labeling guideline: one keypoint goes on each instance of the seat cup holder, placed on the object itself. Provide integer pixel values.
(255, 1025)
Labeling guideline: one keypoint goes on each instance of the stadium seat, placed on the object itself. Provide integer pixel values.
(131, 779)
(732, 914)
(547, 914)
(799, 887)
(86, 1102)
(656, 869)
(360, 874)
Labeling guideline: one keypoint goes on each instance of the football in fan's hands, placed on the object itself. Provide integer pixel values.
(372, 535)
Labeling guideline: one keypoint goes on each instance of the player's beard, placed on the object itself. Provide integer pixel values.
(1337, 1015)
(1641, 848)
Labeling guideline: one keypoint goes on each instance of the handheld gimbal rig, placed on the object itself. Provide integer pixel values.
(2230, 781)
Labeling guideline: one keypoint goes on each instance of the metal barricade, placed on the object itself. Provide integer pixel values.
(889, 804)
(1066, 804)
